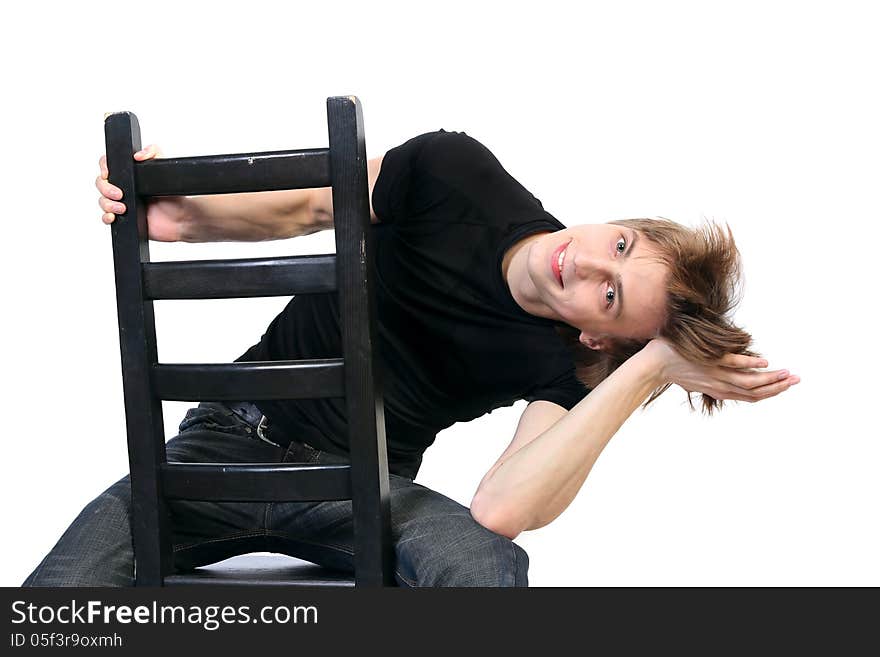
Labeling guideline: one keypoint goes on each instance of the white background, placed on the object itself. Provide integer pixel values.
(760, 114)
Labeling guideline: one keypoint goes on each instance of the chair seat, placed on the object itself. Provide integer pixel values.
(262, 570)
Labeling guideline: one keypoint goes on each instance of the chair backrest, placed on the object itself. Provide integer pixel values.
(147, 382)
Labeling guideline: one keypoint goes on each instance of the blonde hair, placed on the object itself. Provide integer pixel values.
(702, 289)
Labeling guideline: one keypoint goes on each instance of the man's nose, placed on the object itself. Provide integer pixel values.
(589, 266)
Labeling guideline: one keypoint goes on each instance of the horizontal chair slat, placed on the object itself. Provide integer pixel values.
(250, 482)
(241, 172)
(251, 381)
(237, 278)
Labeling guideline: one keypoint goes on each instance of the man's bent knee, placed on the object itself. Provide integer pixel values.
(465, 554)
(96, 549)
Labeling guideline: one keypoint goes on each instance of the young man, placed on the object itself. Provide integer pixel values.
(473, 280)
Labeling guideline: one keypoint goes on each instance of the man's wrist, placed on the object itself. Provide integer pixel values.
(188, 218)
(655, 356)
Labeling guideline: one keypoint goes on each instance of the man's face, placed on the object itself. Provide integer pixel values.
(609, 285)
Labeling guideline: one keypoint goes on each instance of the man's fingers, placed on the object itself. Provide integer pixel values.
(763, 392)
(148, 152)
(774, 389)
(741, 361)
(108, 205)
(110, 194)
(108, 190)
(753, 380)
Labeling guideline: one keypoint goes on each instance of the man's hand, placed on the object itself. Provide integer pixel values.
(733, 377)
(165, 214)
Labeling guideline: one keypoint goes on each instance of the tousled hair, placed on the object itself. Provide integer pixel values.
(702, 289)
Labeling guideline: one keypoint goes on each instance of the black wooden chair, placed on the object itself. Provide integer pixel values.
(147, 382)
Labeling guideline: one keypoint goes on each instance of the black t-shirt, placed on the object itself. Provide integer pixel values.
(453, 343)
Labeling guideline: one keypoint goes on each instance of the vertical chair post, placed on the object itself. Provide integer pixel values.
(371, 502)
(137, 341)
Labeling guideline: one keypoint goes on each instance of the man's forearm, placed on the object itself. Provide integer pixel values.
(252, 217)
(536, 483)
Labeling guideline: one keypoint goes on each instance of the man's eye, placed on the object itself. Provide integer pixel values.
(621, 245)
(609, 296)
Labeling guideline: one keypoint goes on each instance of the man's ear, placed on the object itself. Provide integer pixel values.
(591, 341)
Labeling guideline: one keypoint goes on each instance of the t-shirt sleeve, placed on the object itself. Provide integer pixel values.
(391, 191)
(448, 167)
(565, 391)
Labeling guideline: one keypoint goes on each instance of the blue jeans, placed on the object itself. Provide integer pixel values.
(437, 542)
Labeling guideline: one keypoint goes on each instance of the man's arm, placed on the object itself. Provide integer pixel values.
(535, 481)
(247, 217)
(258, 216)
(531, 485)
(321, 199)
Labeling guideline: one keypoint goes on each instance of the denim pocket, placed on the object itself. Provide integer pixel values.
(213, 417)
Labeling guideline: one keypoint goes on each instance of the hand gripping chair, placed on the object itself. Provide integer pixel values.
(146, 382)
